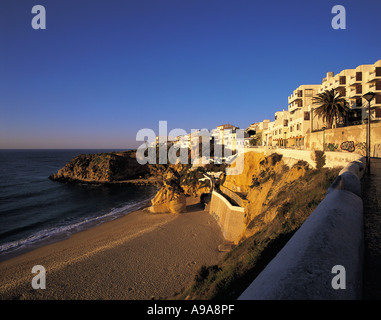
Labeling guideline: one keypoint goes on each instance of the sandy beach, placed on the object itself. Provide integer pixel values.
(139, 256)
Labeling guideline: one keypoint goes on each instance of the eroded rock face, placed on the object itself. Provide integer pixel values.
(262, 181)
(170, 198)
(101, 168)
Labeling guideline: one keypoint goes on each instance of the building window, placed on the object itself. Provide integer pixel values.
(285, 123)
(300, 93)
(358, 76)
(306, 115)
(358, 102)
(359, 89)
(343, 80)
(378, 71)
(378, 85)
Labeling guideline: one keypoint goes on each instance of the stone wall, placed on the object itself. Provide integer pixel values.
(229, 217)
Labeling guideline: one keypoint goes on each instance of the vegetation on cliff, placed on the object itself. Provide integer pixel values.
(281, 199)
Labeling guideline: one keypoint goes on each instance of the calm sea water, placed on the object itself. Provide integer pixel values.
(35, 210)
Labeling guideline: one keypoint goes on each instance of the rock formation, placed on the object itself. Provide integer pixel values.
(170, 198)
(102, 168)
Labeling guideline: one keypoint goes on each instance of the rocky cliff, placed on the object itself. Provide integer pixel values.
(102, 168)
(263, 183)
(280, 198)
(176, 181)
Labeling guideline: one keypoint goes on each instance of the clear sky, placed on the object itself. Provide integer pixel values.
(102, 70)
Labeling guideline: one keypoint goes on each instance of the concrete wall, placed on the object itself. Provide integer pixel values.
(234, 196)
(350, 139)
(332, 235)
(230, 218)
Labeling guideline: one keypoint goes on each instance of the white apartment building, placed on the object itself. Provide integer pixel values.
(353, 84)
(267, 135)
(222, 131)
(301, 118)
(291, 125)
(280, 128)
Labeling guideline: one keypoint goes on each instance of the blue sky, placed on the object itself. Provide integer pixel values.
(102, 70)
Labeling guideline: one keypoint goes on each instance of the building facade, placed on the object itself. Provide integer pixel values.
(292, 125)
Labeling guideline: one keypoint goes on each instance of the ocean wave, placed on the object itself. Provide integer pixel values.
(66, 230)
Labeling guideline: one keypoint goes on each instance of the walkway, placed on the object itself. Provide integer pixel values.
(372, 223)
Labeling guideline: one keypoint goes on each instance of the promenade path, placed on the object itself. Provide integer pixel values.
(372, 231)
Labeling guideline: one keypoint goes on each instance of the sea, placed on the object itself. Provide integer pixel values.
(35, 211)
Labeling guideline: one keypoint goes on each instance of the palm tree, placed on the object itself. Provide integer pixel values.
(331, 106)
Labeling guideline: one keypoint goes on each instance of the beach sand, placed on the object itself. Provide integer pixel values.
(139, 256)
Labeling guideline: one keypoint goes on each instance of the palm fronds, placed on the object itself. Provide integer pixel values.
(331, 106)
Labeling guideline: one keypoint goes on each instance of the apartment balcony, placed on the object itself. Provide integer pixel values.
(373, 76)
(355, 92)
(295, 97)
(356, 103)
(355, 80)
(295, 106)
(292, 107)
(377, 101)
(341, 82)
(377, 87)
